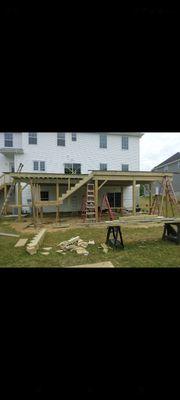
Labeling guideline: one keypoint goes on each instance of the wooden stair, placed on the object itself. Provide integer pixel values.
(75, 188)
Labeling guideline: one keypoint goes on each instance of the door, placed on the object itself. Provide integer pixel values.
(11, 167)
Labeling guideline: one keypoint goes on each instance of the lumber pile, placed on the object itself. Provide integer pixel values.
(75, 244)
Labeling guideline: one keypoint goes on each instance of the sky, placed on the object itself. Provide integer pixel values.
(156, 147)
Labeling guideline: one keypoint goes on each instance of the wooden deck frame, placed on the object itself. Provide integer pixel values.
(100, 178)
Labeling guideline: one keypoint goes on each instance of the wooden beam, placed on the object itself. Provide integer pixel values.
(69, 183)
(5, 195)
(150, 197)
(134, 197)
(19, 202)
(57, 197)
(96, 200)
(33, 202)
(24, 187)
(102, 184)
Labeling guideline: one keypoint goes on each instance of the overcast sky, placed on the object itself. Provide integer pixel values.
(157, 147)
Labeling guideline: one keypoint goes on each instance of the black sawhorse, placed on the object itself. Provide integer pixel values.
(170, 233)
(115, 243)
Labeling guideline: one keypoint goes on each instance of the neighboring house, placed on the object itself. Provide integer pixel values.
(172, 164)
(72, 153)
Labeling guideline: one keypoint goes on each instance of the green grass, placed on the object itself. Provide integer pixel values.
(143, 248)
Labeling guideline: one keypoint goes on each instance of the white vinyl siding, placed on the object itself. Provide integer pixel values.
(103, 141)
(125, 142)
(166, 168)
(8, 140)
(61, 139)
(32, 138)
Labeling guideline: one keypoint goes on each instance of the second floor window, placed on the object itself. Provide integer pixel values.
(125, 167)
(32, 138)
(39, 166)
(166, 168)
(103, 167)
(125, 142)
(8, 140)
(74, 137)
(72, 169)
(103, 141)
(61, 139)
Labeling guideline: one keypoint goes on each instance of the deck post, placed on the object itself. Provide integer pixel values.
(57, 198)
(96, 199)
(5, 195)
(19, 202)
(150, 197)
(134, 197)
(33, 205)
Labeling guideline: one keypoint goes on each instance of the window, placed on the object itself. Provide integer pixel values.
(125, 142)
(8, 140)
(44, 196)
(178, 164)
(103, 141)
(36, 166)
(39, 165)
(42, 165)
(32, 138)
(74, 137)
(72, 169)
(166, 168)
(114, 199)
(125, 167)
(61, 139)
(103, 167)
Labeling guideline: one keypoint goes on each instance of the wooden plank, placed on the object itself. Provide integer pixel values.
(8, 234)
(102, 184)
(21, 243)
(5, 195)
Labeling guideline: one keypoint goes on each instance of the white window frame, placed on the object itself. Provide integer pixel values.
(32, 137)
(101, 168)
(125, 142)
(74, 137)
(8, 138)
(40, 165)
(101, 139)
(61, 139)
(125, 165)
(36, 161)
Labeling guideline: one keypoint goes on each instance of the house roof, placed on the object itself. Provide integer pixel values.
(171, 159)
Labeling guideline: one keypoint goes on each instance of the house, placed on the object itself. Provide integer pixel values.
(172, 165)
(71, 154)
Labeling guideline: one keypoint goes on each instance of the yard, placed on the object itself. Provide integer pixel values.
(143, 248)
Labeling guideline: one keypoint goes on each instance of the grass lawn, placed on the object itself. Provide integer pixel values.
(143, 248)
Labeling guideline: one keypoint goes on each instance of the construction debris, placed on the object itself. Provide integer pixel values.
(59, 251)
(33, 246)
(47, 248)
(105, 248)
(80, 250)
(21, 243)
(91, 242)
(45, 253)
(9, 234)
